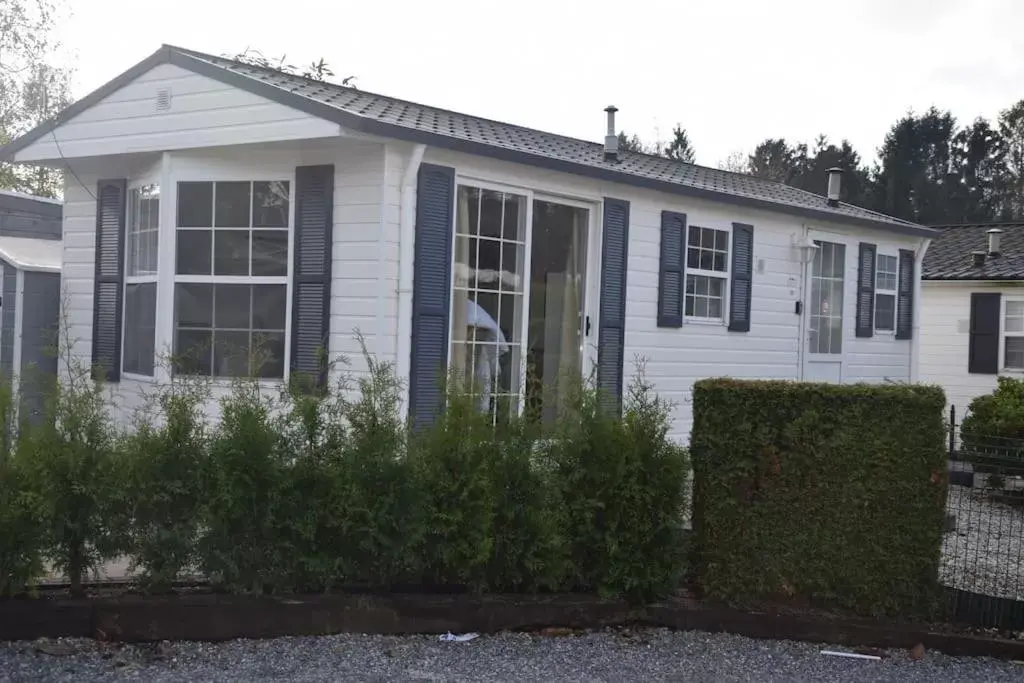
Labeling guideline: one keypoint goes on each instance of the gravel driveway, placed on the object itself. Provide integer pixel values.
(656, 655)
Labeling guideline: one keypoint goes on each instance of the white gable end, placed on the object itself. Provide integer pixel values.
(169, 108)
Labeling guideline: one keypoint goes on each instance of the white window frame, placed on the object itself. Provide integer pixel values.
(894, 293)
(1003, 334)
(725, 276)
(592, 269)
(170, 259)
(149, 278)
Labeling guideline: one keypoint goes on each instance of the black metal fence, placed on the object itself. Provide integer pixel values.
(983, 547)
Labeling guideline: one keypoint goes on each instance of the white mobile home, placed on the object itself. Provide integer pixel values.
(213, 203)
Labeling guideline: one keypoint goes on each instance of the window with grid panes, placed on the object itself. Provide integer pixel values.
(707, 272)
(231, 278)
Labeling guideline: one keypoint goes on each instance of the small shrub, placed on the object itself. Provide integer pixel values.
(451, 464)
(829, 493)
(376, 486)
(239, 547)
(309, 516)
(622, 493)
(20, 514)
(164, 462)
(528, 551)
(994, 425)
(69, 461)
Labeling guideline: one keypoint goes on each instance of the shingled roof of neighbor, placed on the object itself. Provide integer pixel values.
(949, 255)
(392, 117)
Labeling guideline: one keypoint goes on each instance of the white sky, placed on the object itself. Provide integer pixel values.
(733, 72)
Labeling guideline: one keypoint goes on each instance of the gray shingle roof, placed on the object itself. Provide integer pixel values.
(392, 117)
(949, 255)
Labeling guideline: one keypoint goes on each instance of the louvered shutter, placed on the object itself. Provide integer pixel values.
(742, 275)
(311, 274)
(671, 273)
(611, 335)
(865, 325)
(983, 347)
(109, 279)
(905, 296)
(435, 201)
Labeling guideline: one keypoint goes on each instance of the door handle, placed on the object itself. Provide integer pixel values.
(586, 326)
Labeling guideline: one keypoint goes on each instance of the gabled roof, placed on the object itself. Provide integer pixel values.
(391, 117)
(949, 255)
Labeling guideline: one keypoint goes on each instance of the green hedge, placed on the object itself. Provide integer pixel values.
(309, 493)
(829, 493)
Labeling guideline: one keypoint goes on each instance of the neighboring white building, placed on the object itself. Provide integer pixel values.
(211, 204)
(972, 315)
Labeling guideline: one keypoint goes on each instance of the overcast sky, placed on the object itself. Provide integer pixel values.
(733, 72)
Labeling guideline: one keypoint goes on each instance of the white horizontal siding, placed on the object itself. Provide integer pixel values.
(203, 113)
(677, 357)
(945, 339)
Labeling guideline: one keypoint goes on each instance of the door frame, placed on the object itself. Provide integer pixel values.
(591, 274)
(592, 270)
(807, 358)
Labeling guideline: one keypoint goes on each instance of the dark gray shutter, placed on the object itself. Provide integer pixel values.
(983, 349)
(866, 290)
(311, 274)
(611, 340)
(905, 296)
(671, 273)
(435, 202)
(742, 274)
(109, 285)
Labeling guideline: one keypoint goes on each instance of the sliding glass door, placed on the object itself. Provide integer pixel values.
(518, 317)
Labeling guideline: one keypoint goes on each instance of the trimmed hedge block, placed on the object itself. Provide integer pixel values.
(833, 494)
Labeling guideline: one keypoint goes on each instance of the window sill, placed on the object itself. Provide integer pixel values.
(713, 322)
(145, 379)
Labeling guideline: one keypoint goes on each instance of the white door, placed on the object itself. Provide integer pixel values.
(824, 318)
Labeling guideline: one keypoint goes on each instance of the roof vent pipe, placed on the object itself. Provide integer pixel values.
(835, 184)
(611, 140)
(977, 259)
(995, 236)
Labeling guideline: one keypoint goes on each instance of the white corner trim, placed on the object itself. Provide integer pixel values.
(915, 336)
(406, 255)
(166, 236)
(19, 312)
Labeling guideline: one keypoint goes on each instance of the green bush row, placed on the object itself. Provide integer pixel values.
(302, 492)
(828, 493)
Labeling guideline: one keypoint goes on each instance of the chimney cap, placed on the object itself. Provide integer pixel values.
(611, 109)
(834, 169)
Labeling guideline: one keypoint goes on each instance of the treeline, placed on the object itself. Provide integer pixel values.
(930, 168)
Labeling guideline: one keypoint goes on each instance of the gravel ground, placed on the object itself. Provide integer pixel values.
(656, 655)
(985, 554)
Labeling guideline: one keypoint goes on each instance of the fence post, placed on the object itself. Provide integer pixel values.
(952, 430)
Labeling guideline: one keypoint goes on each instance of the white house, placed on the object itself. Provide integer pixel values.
(972, 309)
(212, 207)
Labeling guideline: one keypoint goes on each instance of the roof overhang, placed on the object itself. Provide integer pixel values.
(169, 54)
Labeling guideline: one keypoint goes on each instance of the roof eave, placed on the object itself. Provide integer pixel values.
(169, 54)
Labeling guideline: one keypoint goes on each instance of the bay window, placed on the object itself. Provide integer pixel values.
(142, 239)
(707, 273)
(230, 281)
